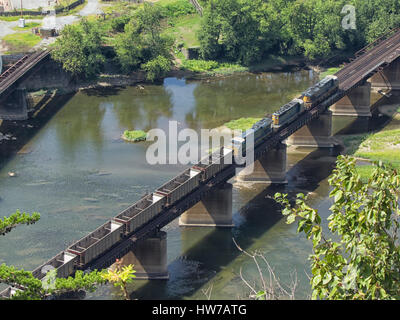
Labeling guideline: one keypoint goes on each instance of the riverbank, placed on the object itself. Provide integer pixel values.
(273, 64)
(382, 145)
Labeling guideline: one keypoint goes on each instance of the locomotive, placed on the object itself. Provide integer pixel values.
(150, 206)
(287, 113)
(320, 91)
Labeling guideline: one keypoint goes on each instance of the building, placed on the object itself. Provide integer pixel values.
(5, 5)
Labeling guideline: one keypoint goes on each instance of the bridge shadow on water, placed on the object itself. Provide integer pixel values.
(25, 130)
(202, 259)
(191, 271)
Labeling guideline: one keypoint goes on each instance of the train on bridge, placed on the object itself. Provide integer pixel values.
(126, 223)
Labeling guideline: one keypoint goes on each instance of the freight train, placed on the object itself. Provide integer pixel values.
(87, 249)
(320, 91)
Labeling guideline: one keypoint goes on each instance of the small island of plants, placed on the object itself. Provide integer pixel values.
(241, 124)
(134, 135)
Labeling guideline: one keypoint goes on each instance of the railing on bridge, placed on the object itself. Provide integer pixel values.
(362, 70)
(13, 68)
(20, 68)
(385, 36)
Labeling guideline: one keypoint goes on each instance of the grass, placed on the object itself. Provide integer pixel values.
(184, 29)
(16, 18)
(134, 135)
(19, 42)
(119, 7)
(329, 72)
(210, 67)
(384, 145)
(380, 146)
(28, 26)
(241, 124)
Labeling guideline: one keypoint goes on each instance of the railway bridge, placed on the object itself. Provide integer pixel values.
(376, 66)
(13, 103)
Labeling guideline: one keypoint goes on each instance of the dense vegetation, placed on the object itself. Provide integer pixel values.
(134, 135)
(246, 30)
(363, 261)
(79, 49)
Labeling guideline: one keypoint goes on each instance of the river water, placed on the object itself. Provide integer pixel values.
(78, 173)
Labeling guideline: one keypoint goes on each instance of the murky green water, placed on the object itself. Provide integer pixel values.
(77, 172)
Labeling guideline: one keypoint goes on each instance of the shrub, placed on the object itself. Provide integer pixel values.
(157, 67)
(134, 135)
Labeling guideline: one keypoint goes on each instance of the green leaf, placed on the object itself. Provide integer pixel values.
(316, 280)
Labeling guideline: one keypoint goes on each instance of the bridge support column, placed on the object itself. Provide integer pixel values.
(214, 210)
(317, 134)
(356, 104)
(149, 257)
(388, 78)
(14, 106)
(270, 168)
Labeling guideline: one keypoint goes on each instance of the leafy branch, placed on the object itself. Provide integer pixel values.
(17, 218)
(365, 262)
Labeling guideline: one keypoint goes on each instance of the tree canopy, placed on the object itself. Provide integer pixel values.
(142, 44)
(79, 49)
(245, 31)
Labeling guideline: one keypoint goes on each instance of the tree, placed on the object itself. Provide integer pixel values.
(364, 263)
(31, 288)
(157, 67)
(209, 34)
(79, 49)
(120, 277)
(142, 40)
(231, 28)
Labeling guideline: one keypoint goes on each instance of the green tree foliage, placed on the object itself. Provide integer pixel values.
(31, 288)
(157, 67)
(246, 30)
(142, 40)
(8, 223)
(79, 49)
(364, 261)
(120, 277)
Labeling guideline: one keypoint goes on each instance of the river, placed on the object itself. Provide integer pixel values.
(78, 173)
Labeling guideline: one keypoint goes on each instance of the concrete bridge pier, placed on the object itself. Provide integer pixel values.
(149, 257)
(317, 134)
(14, 106)
(214, 210)
(270, 168)
(388, 78)
(356, 104)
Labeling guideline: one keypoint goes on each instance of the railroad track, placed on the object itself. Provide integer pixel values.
(370, 60)
(20, 68)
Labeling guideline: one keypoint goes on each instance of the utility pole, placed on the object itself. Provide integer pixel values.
(21, 20)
